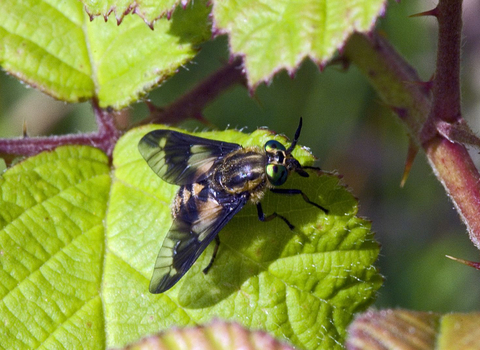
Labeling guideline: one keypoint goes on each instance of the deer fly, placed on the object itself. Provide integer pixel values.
(216, 180)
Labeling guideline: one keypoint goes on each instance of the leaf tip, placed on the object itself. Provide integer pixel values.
(292, 73)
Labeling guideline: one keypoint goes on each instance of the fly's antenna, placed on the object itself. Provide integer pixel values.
(295, 139)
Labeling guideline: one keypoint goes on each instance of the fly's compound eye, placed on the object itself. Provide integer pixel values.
(274, 145)
(276, 174)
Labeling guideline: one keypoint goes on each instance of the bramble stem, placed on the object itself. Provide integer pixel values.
(105, 138)
(423, 110)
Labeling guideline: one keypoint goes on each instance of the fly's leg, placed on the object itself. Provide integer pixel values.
(312, 168)
(305, 198)
(262, 217)
(217, 244)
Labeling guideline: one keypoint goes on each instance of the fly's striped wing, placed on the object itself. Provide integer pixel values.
(179, 158)
(201, 214)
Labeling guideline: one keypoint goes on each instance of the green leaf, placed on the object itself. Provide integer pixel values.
(78, 244)
(52, 241)
(274, 35)
(302, 286)
(56, 48)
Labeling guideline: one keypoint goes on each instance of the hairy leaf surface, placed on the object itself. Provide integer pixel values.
(79, 241)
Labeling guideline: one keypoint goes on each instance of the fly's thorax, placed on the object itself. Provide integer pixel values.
(241, 171)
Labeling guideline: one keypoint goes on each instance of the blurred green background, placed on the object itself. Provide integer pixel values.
(351, 131)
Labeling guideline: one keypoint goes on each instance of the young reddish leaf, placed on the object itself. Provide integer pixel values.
(409, 330)
(215, 336)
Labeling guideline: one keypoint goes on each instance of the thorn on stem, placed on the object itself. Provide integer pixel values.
(24, 130)
(400, 111)
(341, 61)
(475, 265)
(155, 111)
(412, 153)
(432, 12)
(151, 107)
(203, 120)
(425, 85)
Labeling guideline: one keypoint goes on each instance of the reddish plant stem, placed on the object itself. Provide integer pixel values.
(397, 83)
(455, 170)
(446, 84)
(451, 162)
(194, 102)
(423, 111)
(108, 133)
(105, 138)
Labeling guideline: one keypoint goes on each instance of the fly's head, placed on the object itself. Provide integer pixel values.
(280, 162)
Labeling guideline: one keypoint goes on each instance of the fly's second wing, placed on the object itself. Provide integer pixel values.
(200, 214)
(179, 158)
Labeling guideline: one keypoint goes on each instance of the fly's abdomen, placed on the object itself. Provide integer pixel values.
(242, 171)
